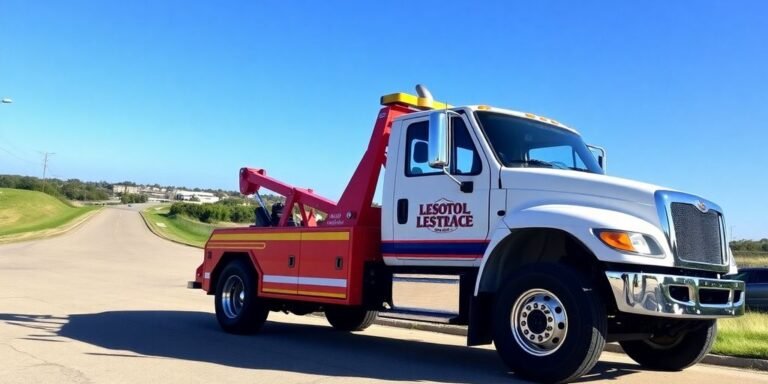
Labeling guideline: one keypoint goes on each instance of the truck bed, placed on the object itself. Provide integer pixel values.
(314, 264)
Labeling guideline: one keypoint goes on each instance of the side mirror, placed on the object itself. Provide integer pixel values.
(599, 153)
(438, 140)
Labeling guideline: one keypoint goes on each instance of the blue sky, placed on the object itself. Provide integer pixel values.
(186, 93)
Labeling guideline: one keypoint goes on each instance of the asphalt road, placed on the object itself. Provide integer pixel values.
(107, 303)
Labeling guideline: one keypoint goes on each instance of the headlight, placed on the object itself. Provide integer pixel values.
(631, 242)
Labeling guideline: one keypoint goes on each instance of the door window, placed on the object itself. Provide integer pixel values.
(464, 157)
(417, 163)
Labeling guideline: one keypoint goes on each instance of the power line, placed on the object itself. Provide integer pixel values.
(8, 151)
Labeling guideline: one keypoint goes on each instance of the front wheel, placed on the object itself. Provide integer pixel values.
(549, 324)
(350, 319)
(238, 309)
(673, 352)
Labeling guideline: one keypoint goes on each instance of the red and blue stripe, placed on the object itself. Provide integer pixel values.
(464, 249)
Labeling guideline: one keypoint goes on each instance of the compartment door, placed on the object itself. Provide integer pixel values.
(324, 266)
(279, 263)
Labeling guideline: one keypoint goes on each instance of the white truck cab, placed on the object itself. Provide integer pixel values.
(521, 199)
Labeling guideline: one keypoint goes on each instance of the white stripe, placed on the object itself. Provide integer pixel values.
(341, 283)
(281, 279)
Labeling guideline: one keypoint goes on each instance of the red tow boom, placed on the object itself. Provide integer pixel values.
(355, 206)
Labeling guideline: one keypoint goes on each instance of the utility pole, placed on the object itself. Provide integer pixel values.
(45, 165)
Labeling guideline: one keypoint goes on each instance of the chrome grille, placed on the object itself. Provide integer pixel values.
(698, 235)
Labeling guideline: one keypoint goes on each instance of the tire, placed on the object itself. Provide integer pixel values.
(566, 344)
(238, 308)
(350, 319)
(673, 353)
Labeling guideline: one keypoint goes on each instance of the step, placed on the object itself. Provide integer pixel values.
(414, 314)
(432, 293)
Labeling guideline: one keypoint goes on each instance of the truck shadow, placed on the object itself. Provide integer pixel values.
(301, 348)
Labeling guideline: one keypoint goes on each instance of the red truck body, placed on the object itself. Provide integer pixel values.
(317, 262)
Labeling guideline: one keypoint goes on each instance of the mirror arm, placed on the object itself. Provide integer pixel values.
(445, 170)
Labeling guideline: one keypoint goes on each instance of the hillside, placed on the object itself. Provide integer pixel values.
(27, 211)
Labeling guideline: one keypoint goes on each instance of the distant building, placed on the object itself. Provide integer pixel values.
(119, 188)
(203, 197)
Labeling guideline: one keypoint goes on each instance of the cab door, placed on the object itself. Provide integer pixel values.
(434, 221)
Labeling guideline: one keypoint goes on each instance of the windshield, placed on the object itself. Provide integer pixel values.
(520, 142)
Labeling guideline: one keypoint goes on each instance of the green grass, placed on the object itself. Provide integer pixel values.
(178, 228)
(751, 259)
(745, 336)
(23, 211)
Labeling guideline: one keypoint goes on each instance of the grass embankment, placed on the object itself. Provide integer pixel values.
(177, 228)
(23, 212)
(745, 336)
(751, 259)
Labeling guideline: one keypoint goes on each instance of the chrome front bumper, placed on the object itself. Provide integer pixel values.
(673, 296)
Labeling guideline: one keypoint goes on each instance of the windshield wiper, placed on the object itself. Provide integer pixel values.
(534, 162)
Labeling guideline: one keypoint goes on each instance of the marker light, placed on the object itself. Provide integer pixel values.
(541, 118)
(632, 242)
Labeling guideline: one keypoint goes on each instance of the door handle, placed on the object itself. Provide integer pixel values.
(291, 261)
(339, 262)
(402, 211)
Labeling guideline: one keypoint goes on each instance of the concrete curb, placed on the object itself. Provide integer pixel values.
(160, 234)
(724, 361)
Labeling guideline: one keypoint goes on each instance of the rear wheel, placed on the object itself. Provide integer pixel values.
(549, 324)
(350, 319)
(238, 308)
(673, 352)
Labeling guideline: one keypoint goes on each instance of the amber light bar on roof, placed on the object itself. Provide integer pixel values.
(413, 101)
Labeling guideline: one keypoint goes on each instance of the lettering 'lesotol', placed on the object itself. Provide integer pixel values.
(444, 216)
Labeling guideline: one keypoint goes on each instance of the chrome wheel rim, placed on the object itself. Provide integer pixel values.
(233, 296)
(539, 322)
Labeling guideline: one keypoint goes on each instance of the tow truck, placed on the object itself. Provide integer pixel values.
(553, 258)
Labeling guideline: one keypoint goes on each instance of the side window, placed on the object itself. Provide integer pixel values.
(465, 160)
(464, 157)
(416, 156)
